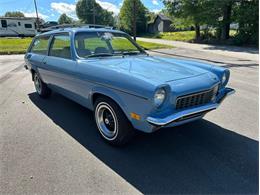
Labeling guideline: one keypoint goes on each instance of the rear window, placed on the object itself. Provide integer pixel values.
(40, 45)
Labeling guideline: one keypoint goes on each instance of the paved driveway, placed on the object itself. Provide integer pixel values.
(245, 53)
(52, 146)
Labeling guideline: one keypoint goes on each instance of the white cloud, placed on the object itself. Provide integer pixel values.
(156, 10)
(70, 9)
(108, 6)
(155, 2)
(33, 14)
(63, 8)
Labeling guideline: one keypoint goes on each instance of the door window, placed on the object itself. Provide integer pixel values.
(40, 45)
(60, 46)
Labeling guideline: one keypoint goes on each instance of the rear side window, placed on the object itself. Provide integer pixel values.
(28, 25)
(60, 46)
(4, 23)
(40, 45)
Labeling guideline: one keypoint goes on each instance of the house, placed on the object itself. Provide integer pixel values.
(161, 23)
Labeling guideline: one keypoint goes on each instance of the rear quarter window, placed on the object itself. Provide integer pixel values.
(40, 45)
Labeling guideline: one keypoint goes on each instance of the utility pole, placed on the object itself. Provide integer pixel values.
(94, 13)
(134, 19)
(37, 16)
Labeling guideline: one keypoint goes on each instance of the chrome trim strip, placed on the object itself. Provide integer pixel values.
(169, 119)
(197, 93)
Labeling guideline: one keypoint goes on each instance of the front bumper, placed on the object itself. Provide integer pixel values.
(189, 113)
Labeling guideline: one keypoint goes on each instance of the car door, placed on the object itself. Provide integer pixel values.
(60, 65)
(36, 54)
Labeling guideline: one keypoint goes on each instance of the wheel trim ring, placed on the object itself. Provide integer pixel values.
(37, 84)
(107, 134)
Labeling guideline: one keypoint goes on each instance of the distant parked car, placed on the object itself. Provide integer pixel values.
(49, 24)
(107, 72)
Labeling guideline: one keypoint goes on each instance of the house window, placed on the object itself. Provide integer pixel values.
(4, 23)
(28, 25)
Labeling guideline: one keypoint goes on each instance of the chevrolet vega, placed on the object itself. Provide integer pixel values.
(109, 73)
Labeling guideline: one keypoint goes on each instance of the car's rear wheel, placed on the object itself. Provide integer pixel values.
(40, 87)
(112, 123)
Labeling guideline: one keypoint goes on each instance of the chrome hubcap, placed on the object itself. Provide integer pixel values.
(106, 121)
(37, 84)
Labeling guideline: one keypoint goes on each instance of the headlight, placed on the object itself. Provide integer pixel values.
(159, 97)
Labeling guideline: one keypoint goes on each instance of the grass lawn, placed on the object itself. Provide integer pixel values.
(19, 46)
(149, 46)
(178, 36)
(14, 45)
(187, 36)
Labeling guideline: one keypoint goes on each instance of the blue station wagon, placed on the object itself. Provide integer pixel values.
(107, 72)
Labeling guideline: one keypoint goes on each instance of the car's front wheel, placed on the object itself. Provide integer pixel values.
(40, 87)
(112, 123)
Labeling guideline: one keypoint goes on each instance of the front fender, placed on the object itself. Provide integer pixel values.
(129, 104)
(111, 93)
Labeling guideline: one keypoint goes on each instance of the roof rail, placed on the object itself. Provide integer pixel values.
(64, 26)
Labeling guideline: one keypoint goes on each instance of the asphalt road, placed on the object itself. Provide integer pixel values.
(52, 146)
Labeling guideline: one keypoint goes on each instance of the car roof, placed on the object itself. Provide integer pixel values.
(81, 29)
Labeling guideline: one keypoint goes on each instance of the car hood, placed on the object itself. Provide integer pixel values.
(157, 69)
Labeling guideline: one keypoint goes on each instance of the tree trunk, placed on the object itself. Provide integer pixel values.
(226, 21)
(197, 30)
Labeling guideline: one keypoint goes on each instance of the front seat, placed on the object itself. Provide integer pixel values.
(83, 52)
(100, 50)
(65, 53)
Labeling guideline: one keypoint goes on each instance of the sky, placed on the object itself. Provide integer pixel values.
(50, 10)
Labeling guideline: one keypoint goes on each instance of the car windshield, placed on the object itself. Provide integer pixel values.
(103, 44)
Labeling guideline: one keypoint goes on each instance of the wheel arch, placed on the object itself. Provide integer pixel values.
(33, 72)
(107, 93)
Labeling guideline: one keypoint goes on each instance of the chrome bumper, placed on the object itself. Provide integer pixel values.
(189, 113)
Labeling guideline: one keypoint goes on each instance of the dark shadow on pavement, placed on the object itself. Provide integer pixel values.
(197, 158)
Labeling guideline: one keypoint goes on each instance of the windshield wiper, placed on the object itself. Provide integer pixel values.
(131, 53)
(99, 55)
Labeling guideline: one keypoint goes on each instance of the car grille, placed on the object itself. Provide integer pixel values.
(194, 99)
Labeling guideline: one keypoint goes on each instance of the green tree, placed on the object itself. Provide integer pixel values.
(220, 15)
(90, 12)
(132, 17)
(246, 14)
(193, 11)
(64, 19)
(14, 14)
(150, 16)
